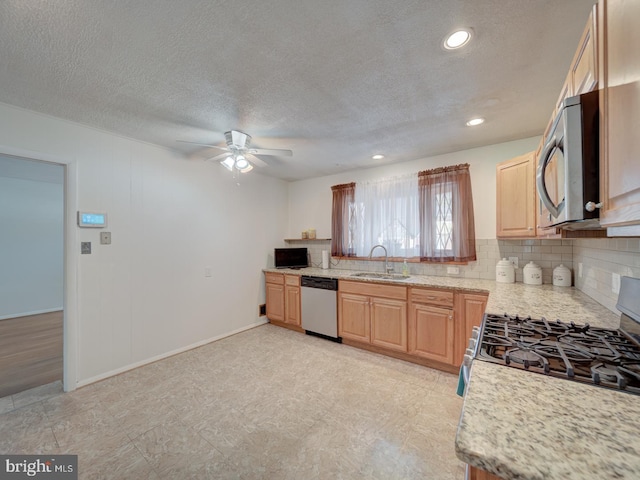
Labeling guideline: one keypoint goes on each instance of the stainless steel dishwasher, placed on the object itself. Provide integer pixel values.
(320, 307)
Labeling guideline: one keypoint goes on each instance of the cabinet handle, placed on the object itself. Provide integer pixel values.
(450, 317)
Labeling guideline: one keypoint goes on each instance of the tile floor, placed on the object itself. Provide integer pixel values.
(267, 403)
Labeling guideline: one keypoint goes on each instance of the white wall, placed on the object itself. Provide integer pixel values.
(310, 200)
(146, 294)
(31, 238)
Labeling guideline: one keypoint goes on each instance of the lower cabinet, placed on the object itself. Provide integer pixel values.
(354, 317)
(431, 325)
(479, 474)
(379, 318)
(292, 304)
(470, 308)
(274, 292)
(283, 299)
(389, 323)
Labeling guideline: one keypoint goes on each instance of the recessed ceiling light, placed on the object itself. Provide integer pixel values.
(475, 121)
(378, 156)
(457, 39)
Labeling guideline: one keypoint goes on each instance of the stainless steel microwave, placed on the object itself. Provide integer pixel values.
(567, 174)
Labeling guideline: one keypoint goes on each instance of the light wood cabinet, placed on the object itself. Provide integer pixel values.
(479, 474)
(583, 73)
(292, 300)
(354, 317)
(282, 294)
(470, 308)
(619, 44)
(516, 197)
(274, 292)
(431, 324)
(389, 323)
(373, 313)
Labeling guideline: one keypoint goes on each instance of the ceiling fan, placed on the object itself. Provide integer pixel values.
(237, 151)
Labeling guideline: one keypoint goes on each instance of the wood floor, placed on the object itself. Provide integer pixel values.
(30, 352)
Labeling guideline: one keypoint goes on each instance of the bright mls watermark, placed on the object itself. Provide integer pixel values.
(42, 467)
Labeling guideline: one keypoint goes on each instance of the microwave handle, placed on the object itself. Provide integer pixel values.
(545, 157)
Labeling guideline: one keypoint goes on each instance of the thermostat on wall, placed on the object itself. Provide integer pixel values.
(92, 219)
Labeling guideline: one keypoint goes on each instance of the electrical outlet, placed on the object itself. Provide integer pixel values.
(580, 270)
(105, 238)
(207, 271)
(514, 260)
(615, 283)
(85, 248)
(453, 270)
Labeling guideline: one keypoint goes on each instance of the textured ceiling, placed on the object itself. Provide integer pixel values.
(335, 81)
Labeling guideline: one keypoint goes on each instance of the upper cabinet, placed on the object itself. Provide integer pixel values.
(515, 196)
(619, 44)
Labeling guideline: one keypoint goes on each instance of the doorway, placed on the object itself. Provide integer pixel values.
(32, 215)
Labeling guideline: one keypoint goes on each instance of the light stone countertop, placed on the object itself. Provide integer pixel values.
(564, 303)
(522, 425)
(527, 426)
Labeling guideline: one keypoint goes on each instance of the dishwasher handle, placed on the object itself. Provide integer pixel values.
(323, 283)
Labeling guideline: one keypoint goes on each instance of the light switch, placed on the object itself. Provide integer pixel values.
(105, 238)
(615, 283)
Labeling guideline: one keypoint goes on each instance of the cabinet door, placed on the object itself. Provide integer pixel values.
(353, 317)
(471, 308)
(389, 323)
(275, 301)
(515, 195)
(584, 74)
(620, 114)
(432, 332)
(292, 305)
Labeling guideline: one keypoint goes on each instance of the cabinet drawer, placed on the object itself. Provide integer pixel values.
(292, 280)
(432, 297)
(274, 278)
(373, 289)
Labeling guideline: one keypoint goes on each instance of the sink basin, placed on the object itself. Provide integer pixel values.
(383, 276)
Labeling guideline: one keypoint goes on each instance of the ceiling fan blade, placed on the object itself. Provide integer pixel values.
(272, 152)
(217, 157)
(205, 145)
(257, 162)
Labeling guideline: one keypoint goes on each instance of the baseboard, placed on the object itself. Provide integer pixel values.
(27, 314)
(142, 363)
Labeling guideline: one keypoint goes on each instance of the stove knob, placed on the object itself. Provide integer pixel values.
(472, 343)
(466, 360)
(475, 332)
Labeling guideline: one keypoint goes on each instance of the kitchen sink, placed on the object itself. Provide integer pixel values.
(382, 276)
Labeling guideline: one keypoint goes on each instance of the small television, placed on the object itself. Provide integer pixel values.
(291, 257)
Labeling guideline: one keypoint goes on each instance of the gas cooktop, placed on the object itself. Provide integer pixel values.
(598, 356)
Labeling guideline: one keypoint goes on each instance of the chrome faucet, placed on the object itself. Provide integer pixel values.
(387, 268)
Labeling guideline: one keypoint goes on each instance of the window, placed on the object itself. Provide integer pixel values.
(428, 216)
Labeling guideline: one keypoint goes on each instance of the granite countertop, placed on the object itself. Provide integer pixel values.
(521, 425)
(564, 303)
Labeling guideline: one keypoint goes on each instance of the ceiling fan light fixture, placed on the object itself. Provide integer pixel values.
(457, 39)
(241, 162)
(246, 169)
(228, 163)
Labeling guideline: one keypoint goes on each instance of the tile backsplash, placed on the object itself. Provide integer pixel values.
(600, 259)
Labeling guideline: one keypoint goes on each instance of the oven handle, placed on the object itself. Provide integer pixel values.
(545, 157)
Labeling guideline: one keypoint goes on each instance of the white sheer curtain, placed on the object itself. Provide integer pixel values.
(387, 213)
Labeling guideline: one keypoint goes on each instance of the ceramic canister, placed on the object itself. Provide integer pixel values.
(505, 272)
(562, 276)
(532, 274)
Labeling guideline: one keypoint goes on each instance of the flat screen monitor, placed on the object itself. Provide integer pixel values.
(291, 257)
